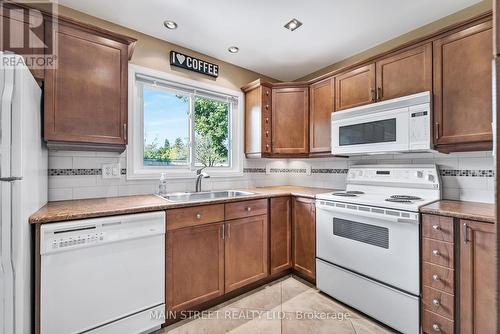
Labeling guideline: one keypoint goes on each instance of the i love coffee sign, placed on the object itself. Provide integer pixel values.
(193, 64)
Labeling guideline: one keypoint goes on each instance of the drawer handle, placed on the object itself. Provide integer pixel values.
(436, 302)
(436, 328)
(436, 227)
(248, 209)
(435, 277)
(198, 216)
(435, 252)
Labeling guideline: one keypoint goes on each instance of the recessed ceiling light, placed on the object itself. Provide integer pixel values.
(233, 49)
(293, 24)
(170, 24)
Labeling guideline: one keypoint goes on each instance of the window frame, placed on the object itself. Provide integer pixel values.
(135, 148)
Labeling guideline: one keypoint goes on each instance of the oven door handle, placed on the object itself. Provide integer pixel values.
(380, 216)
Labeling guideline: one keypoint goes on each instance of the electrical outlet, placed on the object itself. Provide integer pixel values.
(111, 171)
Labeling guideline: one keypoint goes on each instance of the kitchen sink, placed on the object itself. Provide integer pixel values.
(201, 196)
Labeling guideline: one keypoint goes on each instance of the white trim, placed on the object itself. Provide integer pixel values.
(135, 169)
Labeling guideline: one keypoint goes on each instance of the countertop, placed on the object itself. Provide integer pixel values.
(101, 207)
(483, 212)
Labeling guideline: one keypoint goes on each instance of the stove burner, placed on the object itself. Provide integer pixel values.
(406, 197)
(398, 200)
(355, 192)
(345, 194)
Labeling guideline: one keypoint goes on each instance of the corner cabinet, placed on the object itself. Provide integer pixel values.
(281, 234)
(304, 237)
(86, 94)
(290, 121)
(463, 89)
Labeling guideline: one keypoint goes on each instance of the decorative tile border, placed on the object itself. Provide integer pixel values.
(288, 170)
(79, 171)
(468, 172)
(329, 171)
(254, 170)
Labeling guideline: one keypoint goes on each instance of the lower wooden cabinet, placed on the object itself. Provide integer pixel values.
(304, 237)
(477, 277)
(246, 251)
(195, 265)
(281, 234)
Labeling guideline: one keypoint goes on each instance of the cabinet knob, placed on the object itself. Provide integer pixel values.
(248, 209)
(436, 302)
(435, 277)
(267, 120)
(267, 93)
(436, 328)
(436, 227)
(435, 252)
(198, 216)
(267, 133)
(267, 106)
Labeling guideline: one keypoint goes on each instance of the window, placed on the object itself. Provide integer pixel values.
(183, 127)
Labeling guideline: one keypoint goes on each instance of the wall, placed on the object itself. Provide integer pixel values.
(428, 29)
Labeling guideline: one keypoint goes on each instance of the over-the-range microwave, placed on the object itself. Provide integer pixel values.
(393, 126)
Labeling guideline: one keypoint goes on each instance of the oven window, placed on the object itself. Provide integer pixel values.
(368, 234)
(368, 133)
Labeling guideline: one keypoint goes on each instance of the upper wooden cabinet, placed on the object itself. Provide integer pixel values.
(290, 121)
(322, 96)
(355, 87)
(404, 73)
(463, 90)
(478, 276)
(86, 94)
(258, 111)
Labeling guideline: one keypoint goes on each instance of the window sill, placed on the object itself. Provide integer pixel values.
(179, 175)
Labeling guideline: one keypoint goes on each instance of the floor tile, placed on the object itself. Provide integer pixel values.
(365, 326)
(312, 325)
(267, 298)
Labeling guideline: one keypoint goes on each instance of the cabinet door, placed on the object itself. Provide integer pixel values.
(86, 95)
(355, 88)
(405, 73)
(246, 248)
(195, 266)
(322, 102)
(462, 88)
(290, 120)
(477, 277)
(281, 234)
(304, 237)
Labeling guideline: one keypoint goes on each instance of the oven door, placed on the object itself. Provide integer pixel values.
(384, 131)
(376, 245)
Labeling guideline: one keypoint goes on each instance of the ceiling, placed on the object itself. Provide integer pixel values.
(332, 29)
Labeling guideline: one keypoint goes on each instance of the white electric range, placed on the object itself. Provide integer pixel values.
(368, 241)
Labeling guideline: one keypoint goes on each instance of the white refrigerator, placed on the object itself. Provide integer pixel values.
(23, 182)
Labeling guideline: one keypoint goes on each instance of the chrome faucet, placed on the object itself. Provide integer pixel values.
(200, 175)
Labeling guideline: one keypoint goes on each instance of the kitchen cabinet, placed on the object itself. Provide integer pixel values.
(290, 121)
(304, 237)
(322, 99)
(355, 87)
(23, 33)
(462, 89)
(258, 112)
(404, 73)
(86, 94)
(281, 234)
(246, 251)
(195, 265)
(478, 275)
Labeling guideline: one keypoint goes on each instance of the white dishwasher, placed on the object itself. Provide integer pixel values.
(104, 275)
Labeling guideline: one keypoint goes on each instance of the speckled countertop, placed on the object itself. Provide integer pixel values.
(461, 209)
(110, 206)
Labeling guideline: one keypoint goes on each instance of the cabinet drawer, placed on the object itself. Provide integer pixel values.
(438, 277)
(197, 215)
(438, 252)
(438, 228)
(433, 323)
(438, 302)
(246, 209)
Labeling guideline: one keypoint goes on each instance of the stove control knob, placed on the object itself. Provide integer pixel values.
(420, 174)
(431, 178)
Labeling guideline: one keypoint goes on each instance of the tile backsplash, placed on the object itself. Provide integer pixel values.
(76, 175)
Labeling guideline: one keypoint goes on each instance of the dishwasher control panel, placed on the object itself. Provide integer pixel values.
(83, 239)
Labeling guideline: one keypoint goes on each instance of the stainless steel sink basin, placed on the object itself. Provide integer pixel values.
(202, 196)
